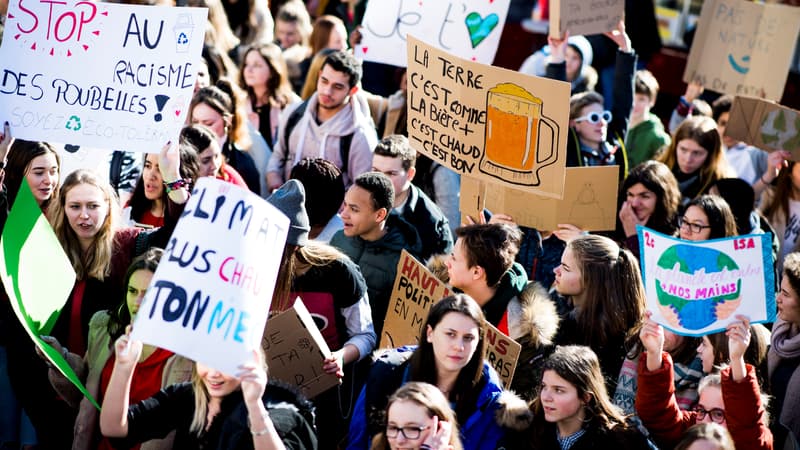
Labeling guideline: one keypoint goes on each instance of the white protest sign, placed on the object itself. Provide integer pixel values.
(697, 288)
(101, 75)
(210, 296)
(469, 29)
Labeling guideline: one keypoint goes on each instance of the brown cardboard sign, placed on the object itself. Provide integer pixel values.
(486, 122)
(585, 16)
(502, 353)
(590, 200)
(296, 350)
(416, 289)
(743, 48)
(765, 124)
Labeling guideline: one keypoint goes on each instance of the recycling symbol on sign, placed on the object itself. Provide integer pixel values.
(182, 39)
(74, 123)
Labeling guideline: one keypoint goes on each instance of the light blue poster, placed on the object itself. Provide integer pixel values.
(697, 288)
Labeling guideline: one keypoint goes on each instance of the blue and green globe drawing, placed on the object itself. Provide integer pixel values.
(699, 303)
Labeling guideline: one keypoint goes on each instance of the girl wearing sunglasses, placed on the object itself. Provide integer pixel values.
(731, 398)
(596, 134)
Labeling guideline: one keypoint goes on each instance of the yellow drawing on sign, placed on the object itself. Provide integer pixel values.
(515, 147)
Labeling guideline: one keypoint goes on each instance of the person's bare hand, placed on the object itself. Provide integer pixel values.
(693, 90)
(620, 37)
(567, 232)
(558, 48)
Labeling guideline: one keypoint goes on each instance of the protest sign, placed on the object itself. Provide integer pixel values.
(296, 350)
(584, 17)
(29, 249)
(502, 353)
(697, 288)
(743, 47)
(467, 28)
(488, 123)
(590, 200)
(764, 124)
(210, 295)
(416, 289)
(99, 74)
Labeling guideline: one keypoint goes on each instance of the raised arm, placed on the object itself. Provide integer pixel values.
(254, 381)
(114, 413)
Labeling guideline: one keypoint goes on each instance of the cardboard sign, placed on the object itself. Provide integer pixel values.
(416, 289)
(590, 200)
(99, 74)
(296, 350)
(743, 47)
(488, 123)
(468, 28)
(210, 295)
(697, 288)
(502, 353)
(584, 17)
(765, 124)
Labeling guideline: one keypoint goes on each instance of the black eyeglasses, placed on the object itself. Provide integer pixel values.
(717, 415)
(594, 117)
(693, 227)
(408, 432)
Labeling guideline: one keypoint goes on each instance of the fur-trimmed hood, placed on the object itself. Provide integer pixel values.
(538, 321)
(513, 412)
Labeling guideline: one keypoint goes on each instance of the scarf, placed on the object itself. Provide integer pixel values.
(786, 345)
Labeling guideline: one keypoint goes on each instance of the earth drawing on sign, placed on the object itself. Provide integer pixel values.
(697, 286)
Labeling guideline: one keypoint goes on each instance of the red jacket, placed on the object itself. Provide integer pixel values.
(659, 411)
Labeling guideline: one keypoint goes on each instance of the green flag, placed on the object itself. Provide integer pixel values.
(29, 249)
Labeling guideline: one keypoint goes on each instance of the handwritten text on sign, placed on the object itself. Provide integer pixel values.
(416, 289)
(99, 74)
(296, 350)
(468, 28)
(584, 17)
(502, 353)
(209, 298)
(486, 122)
(696, 288)
(743, 48)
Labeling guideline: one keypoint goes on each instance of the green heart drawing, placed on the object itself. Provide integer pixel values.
(479, 27)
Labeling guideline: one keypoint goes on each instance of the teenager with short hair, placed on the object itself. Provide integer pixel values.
(394, 157)
(333, 124)
(374, 237)
(646, 136)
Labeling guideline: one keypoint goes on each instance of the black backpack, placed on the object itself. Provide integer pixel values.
(291, 122)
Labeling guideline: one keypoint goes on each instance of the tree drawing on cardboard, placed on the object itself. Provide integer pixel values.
(520, 140)
(587, 206)
(691, 305)
(781, 129)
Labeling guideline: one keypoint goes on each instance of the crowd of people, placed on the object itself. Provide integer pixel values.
(280, 109)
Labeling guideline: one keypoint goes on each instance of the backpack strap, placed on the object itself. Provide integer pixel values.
(291, 122)
(344, 150)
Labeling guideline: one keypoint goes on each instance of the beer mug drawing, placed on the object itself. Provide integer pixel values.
(519, 139)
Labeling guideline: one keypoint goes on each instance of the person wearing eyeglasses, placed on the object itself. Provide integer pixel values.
(706, 217)
(597, 135)
(419, 417)
(731, 398)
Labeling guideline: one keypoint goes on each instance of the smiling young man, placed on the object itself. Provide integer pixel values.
(395, 158)
(374, 237)
(333, 124)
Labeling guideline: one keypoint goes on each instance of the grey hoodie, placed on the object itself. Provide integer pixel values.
(322, 140)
